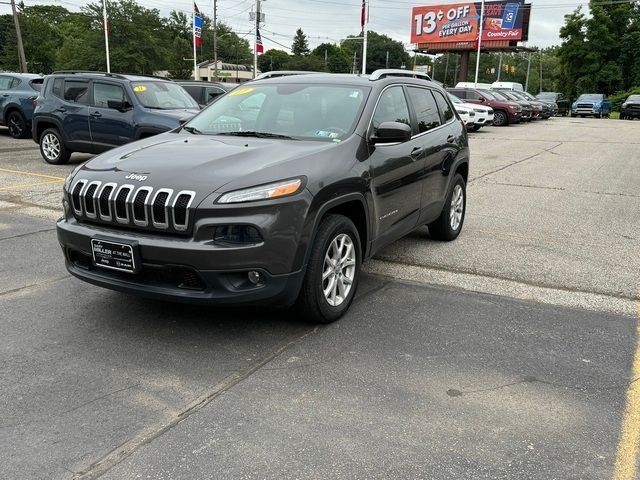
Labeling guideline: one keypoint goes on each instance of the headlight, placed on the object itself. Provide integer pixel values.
(624, 105)
(263, 192)
(67, 181)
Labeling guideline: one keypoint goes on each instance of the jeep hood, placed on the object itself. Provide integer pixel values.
(205, 163)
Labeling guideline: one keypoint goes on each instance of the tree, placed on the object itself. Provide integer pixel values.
(337, 59)
(300, 44)
(273, 59)
(179, 67)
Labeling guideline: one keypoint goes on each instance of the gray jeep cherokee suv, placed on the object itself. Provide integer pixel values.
(273, 195)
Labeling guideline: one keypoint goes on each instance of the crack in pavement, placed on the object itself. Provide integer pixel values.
(34, 285)
(563, 189)
(545, 150)
(27, 234)
(452, 392)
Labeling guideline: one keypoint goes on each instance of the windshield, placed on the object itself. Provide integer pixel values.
(590, 96)
(499, 95)
(301, 111)
(633, 98)
(546, 96)
(163, 95)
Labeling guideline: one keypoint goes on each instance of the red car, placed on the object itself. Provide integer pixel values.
(504, 112)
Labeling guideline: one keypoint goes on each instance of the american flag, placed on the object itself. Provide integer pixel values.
(259, 45)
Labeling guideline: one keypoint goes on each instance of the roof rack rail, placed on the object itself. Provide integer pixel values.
(396, 72)
(73, 72)
(121, 76)
(283, 73)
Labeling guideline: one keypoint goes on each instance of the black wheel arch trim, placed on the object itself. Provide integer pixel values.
(48, 120)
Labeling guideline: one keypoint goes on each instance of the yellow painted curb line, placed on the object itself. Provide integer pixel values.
(6, 170)
(629, 442)
(25, 185)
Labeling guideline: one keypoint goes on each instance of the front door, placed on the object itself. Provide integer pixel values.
(396, 172)
(110, 126)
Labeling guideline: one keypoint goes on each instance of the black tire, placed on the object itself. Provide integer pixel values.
(312, 303)
(500, 118)
(52, 147)
(475, 128)
(18, 127)
(441, 228)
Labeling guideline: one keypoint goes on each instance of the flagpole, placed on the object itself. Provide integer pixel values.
(365, 13)
(193, 26)
(479, 41)
(106, 33)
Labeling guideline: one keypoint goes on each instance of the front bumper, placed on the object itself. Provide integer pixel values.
(630, 112)
(186, 269)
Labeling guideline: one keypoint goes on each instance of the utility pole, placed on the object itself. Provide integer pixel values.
(387, 63)
(215, 40)
(500, 67)
(21, 58)
(105, 24)
(325, 59)
(255, 39)
(526, 82)
(355, 68)
(446, 70)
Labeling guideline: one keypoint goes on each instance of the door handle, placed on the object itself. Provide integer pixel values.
(96, 114)
(5, 94)
(61, 110)
(451, 139)
(417, 153)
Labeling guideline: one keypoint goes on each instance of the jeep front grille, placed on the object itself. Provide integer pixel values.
(128, 205)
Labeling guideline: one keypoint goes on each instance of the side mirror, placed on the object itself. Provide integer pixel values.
(121, 106)
(391, 132)
(482, 99)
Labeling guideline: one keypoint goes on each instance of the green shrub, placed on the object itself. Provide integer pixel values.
(617, 98)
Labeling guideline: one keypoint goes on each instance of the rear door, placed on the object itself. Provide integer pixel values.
(110, 127)
(5, 85)
(74, 112)
(396, 170)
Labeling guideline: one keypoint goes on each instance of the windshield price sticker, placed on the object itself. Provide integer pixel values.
(241, 91)
(140, 88)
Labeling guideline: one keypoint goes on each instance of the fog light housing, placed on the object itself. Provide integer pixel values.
(236, 235)
(255, 277)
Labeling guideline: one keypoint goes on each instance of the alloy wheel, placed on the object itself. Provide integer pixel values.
(457, 208)
(16, 125)
(338, 269)
(50, 146)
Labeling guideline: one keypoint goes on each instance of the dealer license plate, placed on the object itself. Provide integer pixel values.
(113, 255)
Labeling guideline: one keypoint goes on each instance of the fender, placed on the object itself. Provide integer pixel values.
(149, 131)
(47, 119)
(324, 208)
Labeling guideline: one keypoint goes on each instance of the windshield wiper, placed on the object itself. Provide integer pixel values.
(192, 130)
(249, 133)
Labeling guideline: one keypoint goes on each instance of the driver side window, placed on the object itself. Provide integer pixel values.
(392, 107)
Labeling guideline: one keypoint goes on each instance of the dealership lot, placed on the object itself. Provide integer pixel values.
(505, 354)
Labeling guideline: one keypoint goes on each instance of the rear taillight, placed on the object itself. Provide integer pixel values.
(34, 101)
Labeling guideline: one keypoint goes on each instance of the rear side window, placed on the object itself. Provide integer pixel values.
(105, 92)
(392, 107)
(425, 107)
(213, 93)
(459, 93)
(76, 91)
(37, 84)
(473, 95)
(5, 83)
(446, 112)
(195, 91)
(57, 88)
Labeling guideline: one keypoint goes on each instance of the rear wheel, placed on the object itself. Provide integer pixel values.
(475, 128)
(333, 271)
(52, 148)
(500, 118)
(449, 223)
(17, 124)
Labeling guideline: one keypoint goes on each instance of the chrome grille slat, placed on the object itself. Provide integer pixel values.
(127, 204)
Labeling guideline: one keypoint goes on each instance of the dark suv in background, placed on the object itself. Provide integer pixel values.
(630, 108)
(18, 92)
(558, 98)
(205, 92)
(274, 194)
(504, 111)
(92, 112)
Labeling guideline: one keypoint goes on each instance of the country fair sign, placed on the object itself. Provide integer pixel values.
(459, 22)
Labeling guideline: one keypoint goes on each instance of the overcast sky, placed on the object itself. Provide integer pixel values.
(332, 20)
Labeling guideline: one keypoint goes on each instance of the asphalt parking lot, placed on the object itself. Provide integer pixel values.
(509, 353)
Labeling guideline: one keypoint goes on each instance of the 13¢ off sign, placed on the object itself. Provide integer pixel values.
(458, 22)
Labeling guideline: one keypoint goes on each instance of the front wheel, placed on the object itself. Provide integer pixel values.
(500, 118)
(449, 224)
(17, 125)
(52, 147)
(333, 271)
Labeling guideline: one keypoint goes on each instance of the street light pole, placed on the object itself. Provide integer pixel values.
(106, 33)
(215, 40)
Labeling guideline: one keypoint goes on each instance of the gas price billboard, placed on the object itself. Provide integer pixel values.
(459, 22)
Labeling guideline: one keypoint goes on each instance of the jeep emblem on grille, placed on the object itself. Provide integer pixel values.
(136, 176)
